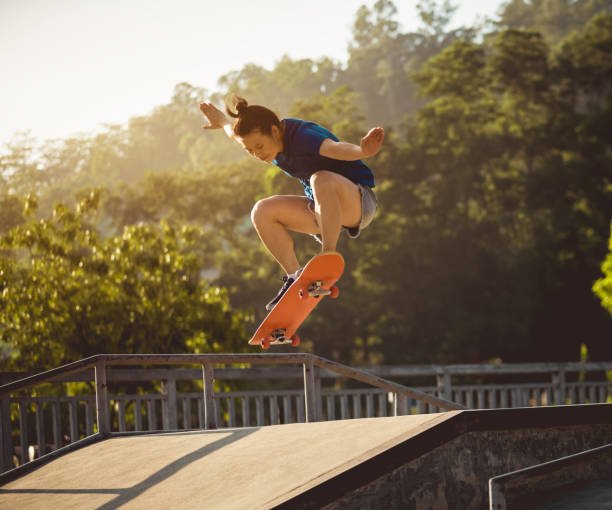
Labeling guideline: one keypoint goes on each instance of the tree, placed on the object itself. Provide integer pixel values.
(20, 171)
(337, 111)
(11, 208)
(66, 293)
(382, 58)
(290, 79)
(554, 19)
(603, 287)
(490, 230)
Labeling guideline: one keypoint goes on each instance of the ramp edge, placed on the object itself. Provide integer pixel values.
(460, 423)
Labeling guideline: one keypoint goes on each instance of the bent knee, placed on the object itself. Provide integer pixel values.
(322, 178)
(263, 211)
(259, 211)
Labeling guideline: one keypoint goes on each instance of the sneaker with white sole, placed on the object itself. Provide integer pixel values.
(287, 281)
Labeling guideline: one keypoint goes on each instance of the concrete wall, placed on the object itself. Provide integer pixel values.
(456, 474)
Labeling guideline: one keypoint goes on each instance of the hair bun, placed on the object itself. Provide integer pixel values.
(241, 106)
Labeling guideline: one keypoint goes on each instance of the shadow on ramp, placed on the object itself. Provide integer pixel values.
(123, 495)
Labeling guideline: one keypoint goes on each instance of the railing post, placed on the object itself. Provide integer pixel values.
(169, 403)
(102, 409)
(310, 392)
(400, 405)
(73, 416)
(56, 418)
(6, 441)
(24, 439)
(497, 499)
(40, 429)
(318, 393)
(210, 414)
(445, 388)
(558, 380)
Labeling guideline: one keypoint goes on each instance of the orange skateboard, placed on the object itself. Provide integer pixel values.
(316, 280)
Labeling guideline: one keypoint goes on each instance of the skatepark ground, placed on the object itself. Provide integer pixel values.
(441, 460)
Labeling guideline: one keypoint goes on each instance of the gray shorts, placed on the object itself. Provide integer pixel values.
(369, 204)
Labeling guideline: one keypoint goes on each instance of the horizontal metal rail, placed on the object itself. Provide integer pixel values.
(225, 359)
(288, 371)
(56, 374)
(379, 382)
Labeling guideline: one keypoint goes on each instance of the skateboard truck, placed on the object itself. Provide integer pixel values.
(315, 289)
(279, 338)
(277, 334)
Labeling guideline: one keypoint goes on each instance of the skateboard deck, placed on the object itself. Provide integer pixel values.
(316, 281)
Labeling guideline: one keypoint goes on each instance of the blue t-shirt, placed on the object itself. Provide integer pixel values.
(300, 157)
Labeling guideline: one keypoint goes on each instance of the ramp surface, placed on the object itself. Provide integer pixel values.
(223, 469)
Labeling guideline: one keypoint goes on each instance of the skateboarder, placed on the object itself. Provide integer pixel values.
(337, 184)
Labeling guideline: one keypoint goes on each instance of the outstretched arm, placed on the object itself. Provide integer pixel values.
(369, 146)
(216, 118)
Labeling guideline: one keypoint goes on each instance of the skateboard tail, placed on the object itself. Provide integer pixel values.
(316, 280)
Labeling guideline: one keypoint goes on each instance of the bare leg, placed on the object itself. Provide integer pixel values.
(273, 216)
(337, 204)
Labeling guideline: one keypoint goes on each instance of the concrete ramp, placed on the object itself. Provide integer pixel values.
(225, 469)
(436, 461)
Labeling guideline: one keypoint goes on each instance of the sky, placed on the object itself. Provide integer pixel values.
(69, 67)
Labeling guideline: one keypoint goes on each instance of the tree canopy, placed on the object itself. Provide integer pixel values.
(494, 187)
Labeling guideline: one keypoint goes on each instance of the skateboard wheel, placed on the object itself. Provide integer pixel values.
(295, 340)
(335, 292)
(265, 343)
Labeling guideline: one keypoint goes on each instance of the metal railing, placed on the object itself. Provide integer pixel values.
(310, 397)
(43, 424)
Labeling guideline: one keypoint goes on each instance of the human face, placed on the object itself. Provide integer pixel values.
(261, 146)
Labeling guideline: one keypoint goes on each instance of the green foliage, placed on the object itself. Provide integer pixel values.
(554, 19)
(66, 293)
(457, 70)
(488, 223)
(336, 111)
(277, 89)
(603, 286)
(11, 208)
